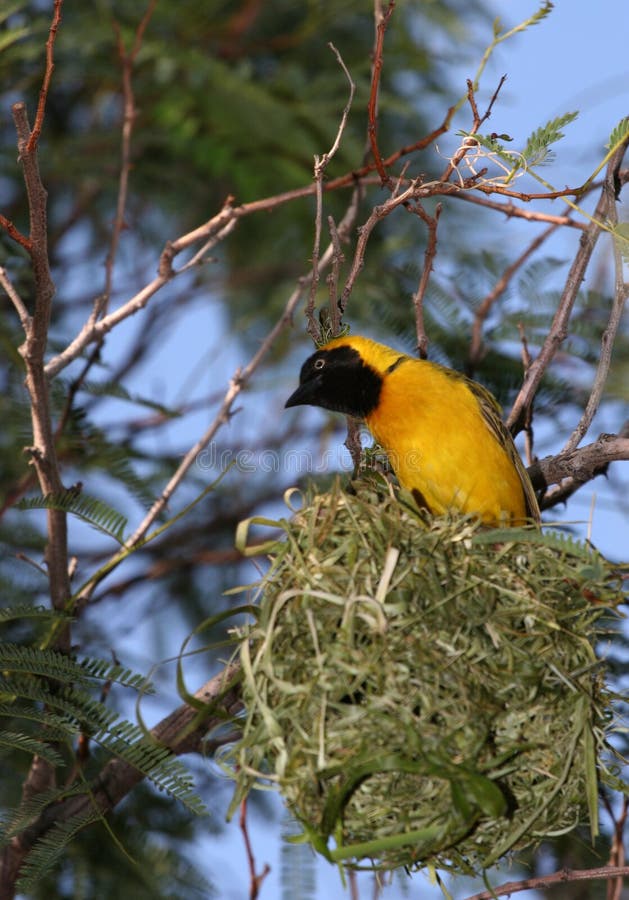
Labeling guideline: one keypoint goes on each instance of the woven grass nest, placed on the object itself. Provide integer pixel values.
(424, 691)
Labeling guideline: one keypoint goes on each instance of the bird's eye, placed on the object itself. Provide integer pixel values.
(319, 363)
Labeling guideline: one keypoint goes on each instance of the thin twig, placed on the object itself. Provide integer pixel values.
(364, 232)
(617, 855)
(16, 300)
(483, 309)
(129, 115)
(127, 62)
(565, 876)
(93, 330)
(528, 423)
(372, 107)
(255, 878)
(14, 233)
(320, 165)
(559, 326)
(50, 65)
(512, 211)
(333, 278)
(429, 257)
(477, 121)
(621, 292)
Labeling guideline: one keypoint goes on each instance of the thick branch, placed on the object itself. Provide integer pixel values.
(572, 469)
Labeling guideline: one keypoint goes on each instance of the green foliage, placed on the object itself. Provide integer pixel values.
(536, 151)
(49, 850)
(48, 700)
(95, 512)
(619, 133)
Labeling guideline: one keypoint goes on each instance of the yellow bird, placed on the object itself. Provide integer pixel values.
(442, 432)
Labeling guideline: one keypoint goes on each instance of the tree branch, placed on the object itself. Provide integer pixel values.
(372, 106)
(43, 453)
(482, 311)
(559, 328)
(565, 876)
(33, 139)
(320, 165)
(16, 300)
(572, 469)
(621, 291)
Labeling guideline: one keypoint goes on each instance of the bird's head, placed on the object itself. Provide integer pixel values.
(344, 376)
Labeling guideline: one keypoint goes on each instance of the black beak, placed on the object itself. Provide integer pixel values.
(304, 395)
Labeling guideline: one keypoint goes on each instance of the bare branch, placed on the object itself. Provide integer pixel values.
(14, 233)
(372, 108)
(564, 876)
(320, 165)
(127, 61)
(621, 292)
(512, 211)
(559, 327)
(94, 330)
(364, 233)
(43, 453)
(570, 470)
(255, 878)
(617, 854)
(16, 300)
(43, 94)
(429, 257)
(528, 422)
(476, 344)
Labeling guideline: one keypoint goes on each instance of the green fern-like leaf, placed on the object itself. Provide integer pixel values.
(619, 133)
(545, 10)
(56, 726)
(107, 671)
(49, 849)
(14, 821)
(117, 391)
(536, 151)
(157, 762)
(90, 509)
(13, 740)
(25, 611)
(76, 710)
(60, 667)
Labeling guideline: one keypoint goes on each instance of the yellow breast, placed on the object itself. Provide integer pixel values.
(439, 445)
